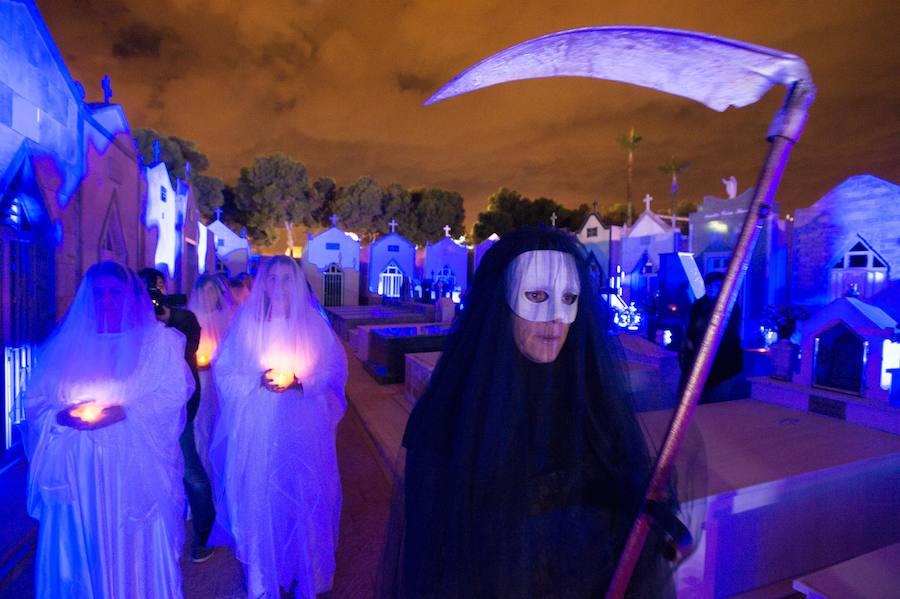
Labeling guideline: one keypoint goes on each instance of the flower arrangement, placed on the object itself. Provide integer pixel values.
(783, 319)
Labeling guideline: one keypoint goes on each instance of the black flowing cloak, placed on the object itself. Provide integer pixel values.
(523, 479)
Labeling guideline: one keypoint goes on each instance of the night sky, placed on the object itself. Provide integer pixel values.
(339, 85)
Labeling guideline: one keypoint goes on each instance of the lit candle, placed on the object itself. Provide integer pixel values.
(280, 378)
(88, 412)
(206, 351)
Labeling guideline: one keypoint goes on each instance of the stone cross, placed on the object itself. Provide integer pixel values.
(446, 230)
(647, 199)
(553, 220)
(334, 220)
(218, 214)
(393, 225)
(155, 151)
(106, 84)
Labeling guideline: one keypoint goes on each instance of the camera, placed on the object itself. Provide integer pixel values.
(159, 301)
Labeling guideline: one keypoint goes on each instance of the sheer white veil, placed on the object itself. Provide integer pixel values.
(279, 325)
(94, 346)
(214, 308)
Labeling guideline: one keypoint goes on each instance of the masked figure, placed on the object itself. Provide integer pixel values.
(525, 464)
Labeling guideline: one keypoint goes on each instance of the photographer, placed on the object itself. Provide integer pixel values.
(196, 480)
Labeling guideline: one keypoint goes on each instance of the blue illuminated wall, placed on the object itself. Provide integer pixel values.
(862, 208)
(393, 247)
(447, 253)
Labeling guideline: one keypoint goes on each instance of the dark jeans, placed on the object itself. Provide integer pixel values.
(197, 487)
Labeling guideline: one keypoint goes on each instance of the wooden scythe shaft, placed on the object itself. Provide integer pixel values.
(784, 132)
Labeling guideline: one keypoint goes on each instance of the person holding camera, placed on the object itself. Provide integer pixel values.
(196, 480)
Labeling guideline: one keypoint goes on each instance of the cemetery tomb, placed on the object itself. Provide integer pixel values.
(346, 318)
(389, 346)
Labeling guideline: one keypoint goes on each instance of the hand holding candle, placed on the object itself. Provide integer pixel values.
(279, 381)
(90, 415)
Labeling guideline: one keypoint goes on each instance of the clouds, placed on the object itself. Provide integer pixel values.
(339, 85)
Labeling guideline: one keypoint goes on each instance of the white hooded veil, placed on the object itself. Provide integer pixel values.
(109, 500)
(212, 304)
(274, 453)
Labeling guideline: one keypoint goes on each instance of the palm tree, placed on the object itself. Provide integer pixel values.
(630, 143)
(673, 168)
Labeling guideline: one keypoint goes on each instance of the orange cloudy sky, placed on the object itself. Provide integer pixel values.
(339, 85)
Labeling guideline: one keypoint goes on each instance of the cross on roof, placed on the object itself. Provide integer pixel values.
(106, 84)
(218, 214)
(647, 199)
(334, 220)
(553, 220)
(596, 205)
(393, 225)
(446, 230)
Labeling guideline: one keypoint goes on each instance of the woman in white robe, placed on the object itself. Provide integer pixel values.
(211, 303)
(104, 410)
(280, 375)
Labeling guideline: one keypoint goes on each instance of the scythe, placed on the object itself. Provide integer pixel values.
(715, 71)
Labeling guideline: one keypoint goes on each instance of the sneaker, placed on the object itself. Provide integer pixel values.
(201, 554)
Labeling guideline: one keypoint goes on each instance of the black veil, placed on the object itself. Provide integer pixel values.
(522, 479)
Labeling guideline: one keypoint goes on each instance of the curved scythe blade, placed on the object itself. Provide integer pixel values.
(715, 71)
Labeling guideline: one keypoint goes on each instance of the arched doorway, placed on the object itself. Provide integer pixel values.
(390, 281)
(27, 278)
(840, 359)
(444, 281)
(333, 286)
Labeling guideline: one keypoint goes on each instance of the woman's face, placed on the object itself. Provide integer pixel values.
(540, 342)
(109, 302)
(278, 283)
(542, 290)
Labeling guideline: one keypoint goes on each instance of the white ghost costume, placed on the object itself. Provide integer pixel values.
(211, 303)
(110, 500)
(274, 453)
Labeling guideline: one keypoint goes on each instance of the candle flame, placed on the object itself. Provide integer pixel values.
(282, 379)
(202, 360)
(88, 412)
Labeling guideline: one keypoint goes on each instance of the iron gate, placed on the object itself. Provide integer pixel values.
(333, 286)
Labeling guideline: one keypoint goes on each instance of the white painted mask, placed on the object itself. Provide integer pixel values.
(542, 286)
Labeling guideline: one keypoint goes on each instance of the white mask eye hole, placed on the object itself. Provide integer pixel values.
(538, 296)
(569, 298)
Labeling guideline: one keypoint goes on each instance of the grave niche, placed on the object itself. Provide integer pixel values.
(840, 360)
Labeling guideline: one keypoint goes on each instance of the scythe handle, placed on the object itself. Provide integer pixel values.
(783, 133)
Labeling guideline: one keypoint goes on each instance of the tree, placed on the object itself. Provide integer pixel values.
(629, 143)
(673, 168)
(508, 210)
(275, 192)
(397, 205)
(573, 220)
(359, 206)
(615, 214)
(174, 151)
(327, 190)
(686, 207)
(435, 209)
(208, 193)
(500, 215)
